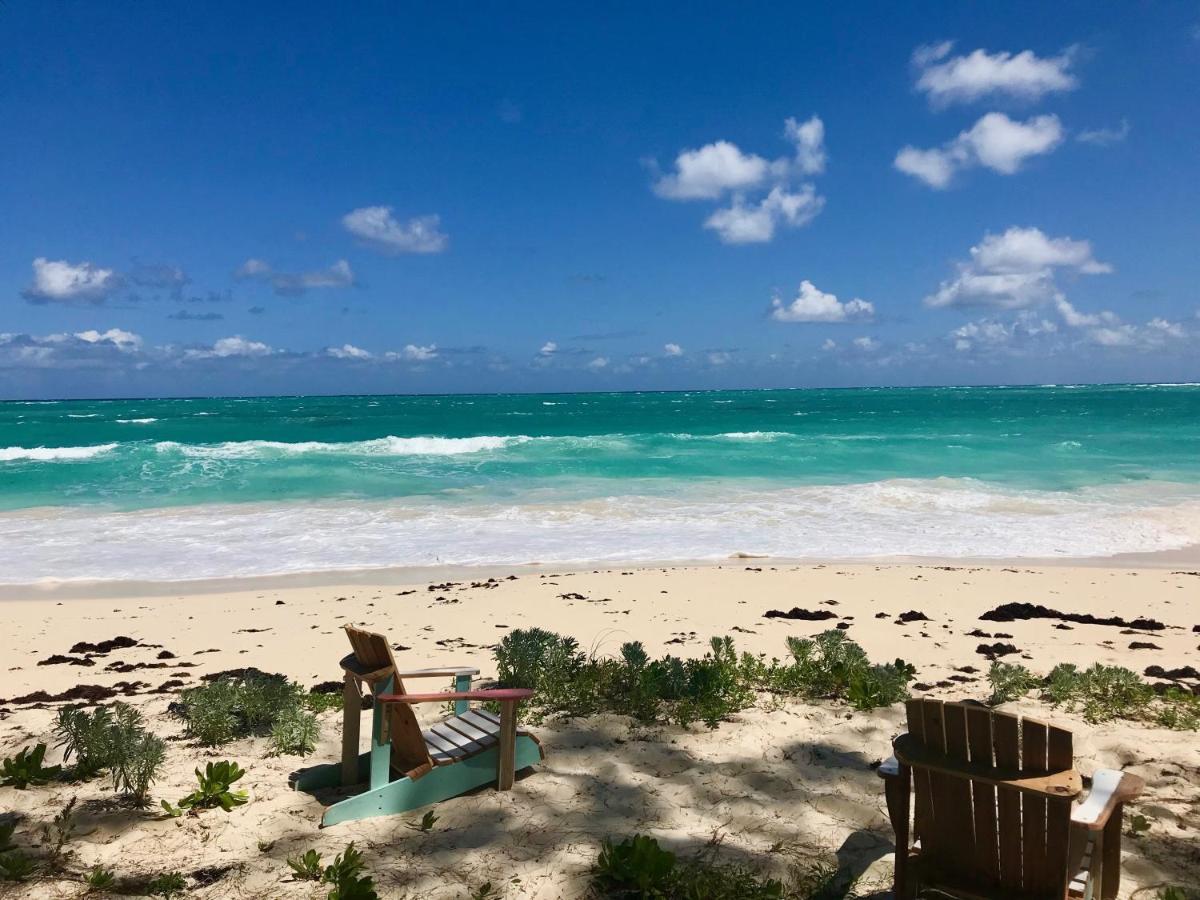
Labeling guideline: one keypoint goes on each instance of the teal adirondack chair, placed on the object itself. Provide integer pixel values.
(408, 767)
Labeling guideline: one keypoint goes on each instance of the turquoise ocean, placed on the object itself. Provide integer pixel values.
(200, 488)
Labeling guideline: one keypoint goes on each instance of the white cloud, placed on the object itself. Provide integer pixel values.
(1016, 270)
(600, 362)
(672, 350)
(122, 340)
(707, 173)
(814, 305)
(866, 344)
(829, 345)
(1102, 137)
(293, 284)
(809, 138)
(962, 79)
(416, 353)
(719, 357)
(743, 223)
(347, 351)
(548, 349)
(995, 142)
(236, 346)
(376, 226)
(721, 168)
(59, 281)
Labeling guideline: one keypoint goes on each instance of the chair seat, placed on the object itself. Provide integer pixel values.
(462, 736)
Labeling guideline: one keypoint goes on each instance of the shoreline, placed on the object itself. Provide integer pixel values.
(85, 589)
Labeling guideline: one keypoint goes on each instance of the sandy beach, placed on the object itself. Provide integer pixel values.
(782, 782)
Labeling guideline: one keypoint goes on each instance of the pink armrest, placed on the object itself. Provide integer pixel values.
(497, 694)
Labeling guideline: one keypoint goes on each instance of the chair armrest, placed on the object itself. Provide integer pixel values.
(1109, 790)
(889, 768)
(439, 672)
(499, 695)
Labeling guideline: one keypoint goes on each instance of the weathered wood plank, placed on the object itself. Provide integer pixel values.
(506, 769)
(1033, 808)
(1006, 744)
(923, 800)
(979, 739)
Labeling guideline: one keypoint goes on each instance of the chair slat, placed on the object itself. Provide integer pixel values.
(979, 739)
(483, 723)
(961, 826)
(466, 728)
(458, 739)
(923, 802)
(940, 844)
(1006, 744)
(1034, 740)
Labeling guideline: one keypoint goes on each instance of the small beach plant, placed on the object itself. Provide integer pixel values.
(238, 704)
(294, 731)
(345, 874)
(215, 789)
(307, 866)
(27, 768)
(167, 885)
(16, 866)
(1010, 681)
(112, 739)
(100, 879)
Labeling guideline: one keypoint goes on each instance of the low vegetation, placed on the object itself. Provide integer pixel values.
(215, 789)
(26, 768)
(344, 874)
(1100, 694)
(112, 739)
(706, 689)
(252, 702)
(638, 867)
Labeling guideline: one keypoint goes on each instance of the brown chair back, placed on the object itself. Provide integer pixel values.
(373, 653)
(1010, 842)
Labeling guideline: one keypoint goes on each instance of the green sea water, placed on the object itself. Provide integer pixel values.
(206, 487)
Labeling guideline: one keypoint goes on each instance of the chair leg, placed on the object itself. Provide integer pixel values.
(1110, 855)
(507, 757)
(351, 721)
(897, 791)
(381, 748)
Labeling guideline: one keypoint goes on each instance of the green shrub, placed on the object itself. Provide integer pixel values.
(307, 866)
(167, 885)
(638, 867)
(345, 873)
(100, 879)
(26, 768)
(1101, 693)
(215, 789)
(112, 739)
(237, 705)
(1009, 682)
(707, 689)
(294, 732)
(16, 866)
(57, 835)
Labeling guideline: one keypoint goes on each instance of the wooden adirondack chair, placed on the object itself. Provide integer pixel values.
(995, 813)
(407, 767)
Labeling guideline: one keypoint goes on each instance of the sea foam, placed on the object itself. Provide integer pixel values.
(50, 454)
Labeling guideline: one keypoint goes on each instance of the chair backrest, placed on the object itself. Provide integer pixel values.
(981, 833)
(373, 652)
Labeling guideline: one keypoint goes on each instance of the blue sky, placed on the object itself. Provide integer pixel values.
(215, 198)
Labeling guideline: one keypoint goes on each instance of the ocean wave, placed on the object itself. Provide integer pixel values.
(136, 421)
(386, 446)
(929, 518)
(47, 454)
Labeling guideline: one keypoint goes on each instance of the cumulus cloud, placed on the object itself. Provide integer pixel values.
(995, 142)
(1016, 270)
(814, 305)
(59, 281)
(122, 340)
(294, 284)
(963, 79)
(600, 362)
(81, 350)
(1102, 137)
(347, 351)
(672, 350)
(755, 223)
(762, 194)
(234, 346)
(414, 353)
(548, 349)
(377, 227)
(718, 357)
(866, 344)
(809, 138)
(710, 171)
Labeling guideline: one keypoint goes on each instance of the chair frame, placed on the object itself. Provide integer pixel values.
(1036, 842)
(421, 781)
